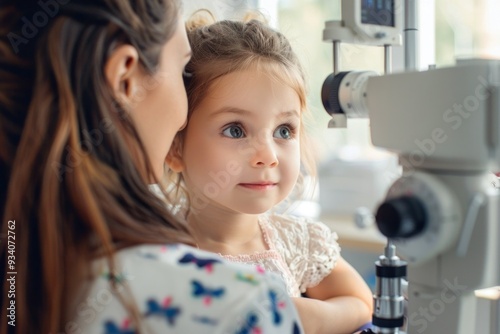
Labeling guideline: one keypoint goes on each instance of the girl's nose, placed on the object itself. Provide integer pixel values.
(265, 155)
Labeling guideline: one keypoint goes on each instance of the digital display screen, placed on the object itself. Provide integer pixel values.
(377, 12)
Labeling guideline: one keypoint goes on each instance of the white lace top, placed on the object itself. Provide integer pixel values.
(302, 251)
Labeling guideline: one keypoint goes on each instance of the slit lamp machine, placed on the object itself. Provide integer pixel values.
(441, 217)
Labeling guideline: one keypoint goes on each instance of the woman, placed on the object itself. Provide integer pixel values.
(91, 96)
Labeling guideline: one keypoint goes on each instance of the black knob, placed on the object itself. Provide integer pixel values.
(401, 217)
(330, 93)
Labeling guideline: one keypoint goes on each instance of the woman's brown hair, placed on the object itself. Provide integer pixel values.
(70, 186)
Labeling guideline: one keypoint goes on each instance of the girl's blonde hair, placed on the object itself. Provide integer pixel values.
(222, 47)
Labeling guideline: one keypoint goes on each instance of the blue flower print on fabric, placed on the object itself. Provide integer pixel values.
(207, 264)
(250, 326)
(199, 290)
(276, 305)
(111, 328)
(205, 320)
(166, 310)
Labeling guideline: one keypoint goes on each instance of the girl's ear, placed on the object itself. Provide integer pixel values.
(174, 156)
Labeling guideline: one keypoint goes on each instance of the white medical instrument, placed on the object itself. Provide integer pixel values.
(442, 217)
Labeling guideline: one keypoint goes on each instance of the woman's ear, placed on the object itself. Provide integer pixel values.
(123, 73)
(174, 156)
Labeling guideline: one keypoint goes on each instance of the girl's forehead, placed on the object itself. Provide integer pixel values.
(260, 74)
(249, 94)
(254, 80)
(252, 87)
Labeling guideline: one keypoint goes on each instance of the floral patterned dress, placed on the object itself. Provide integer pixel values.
(179, 289)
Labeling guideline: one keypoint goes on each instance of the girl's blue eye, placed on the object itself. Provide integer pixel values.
(233, 131)
(283, 132)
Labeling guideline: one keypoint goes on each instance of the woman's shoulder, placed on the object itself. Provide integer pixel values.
(177, 289)
(170, 255)
(159, 263)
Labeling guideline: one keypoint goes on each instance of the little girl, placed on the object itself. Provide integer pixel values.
(241, 154)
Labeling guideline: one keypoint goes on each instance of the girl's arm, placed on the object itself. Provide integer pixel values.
(340, 303)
